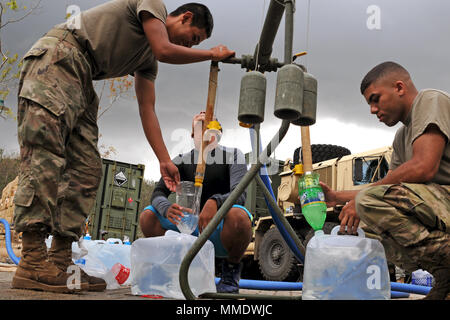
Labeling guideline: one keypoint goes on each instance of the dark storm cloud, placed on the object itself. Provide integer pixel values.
(341, 50)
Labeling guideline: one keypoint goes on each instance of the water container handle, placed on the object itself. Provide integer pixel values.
(171, 233)
(360, 231)
(114, 240)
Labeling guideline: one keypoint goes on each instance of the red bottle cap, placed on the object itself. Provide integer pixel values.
(123, 274)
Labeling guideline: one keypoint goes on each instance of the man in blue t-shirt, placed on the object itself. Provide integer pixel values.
(225, 167)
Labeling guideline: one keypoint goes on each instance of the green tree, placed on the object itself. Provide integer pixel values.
(9, 168)
(146, 193)
(11, 12)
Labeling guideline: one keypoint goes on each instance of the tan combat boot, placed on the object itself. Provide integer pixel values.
(60, 254)
(433, 255)
(36, 272)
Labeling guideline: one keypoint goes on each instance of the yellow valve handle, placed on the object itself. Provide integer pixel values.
(214, 125)
(299, 55)
(298, 169)
(198, 182)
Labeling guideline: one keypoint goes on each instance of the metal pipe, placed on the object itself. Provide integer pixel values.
(289, 31)
(282, 224)
(248, 62)
(212, 225)
(232, 60)
(270, 28)
(291, 238)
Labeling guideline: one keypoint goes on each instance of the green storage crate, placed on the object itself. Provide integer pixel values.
(115, 213)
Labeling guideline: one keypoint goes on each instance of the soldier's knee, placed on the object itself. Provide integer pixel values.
(146, 216)
(238, 220)
(366, 199)
(148, 223)
(360, 201)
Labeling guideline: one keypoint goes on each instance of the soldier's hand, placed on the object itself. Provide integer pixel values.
(221, 52)
(175, 213)
(208, 212)
(349, 217)
(330, 195)
(170, 175)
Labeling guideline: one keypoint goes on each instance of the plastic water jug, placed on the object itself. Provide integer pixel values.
(345, 267)
(97, 257)
(155, 265)
(422, 278)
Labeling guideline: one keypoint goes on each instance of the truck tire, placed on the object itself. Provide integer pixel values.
(276, 261)
(322, 152)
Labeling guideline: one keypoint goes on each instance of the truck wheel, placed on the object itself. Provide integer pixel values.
(276, 261)
(322, 152)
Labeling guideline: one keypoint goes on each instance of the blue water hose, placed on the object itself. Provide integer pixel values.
(397, 295)
(410, 288)
(403, 290)
(9, 249)
(265, 178)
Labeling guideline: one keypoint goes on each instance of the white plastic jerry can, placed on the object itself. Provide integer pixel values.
(345, 267)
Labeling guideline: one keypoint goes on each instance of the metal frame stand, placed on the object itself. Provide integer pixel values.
(263, 62)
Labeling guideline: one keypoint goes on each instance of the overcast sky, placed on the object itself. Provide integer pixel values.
(341, 50)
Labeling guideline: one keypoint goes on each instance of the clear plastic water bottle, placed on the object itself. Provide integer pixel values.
(186, 197)
(188, 223)
(116, 276)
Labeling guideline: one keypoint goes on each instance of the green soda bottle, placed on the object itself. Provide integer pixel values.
(312, 200)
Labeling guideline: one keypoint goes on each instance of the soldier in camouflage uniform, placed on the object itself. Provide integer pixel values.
(409, 209)
(57, 121)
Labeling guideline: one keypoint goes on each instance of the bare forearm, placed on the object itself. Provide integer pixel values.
(408, 172)
(428, 150)
(153, 133)
(344, 196)
(175, 54)
(404, 173)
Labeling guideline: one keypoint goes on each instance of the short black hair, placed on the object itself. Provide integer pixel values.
(380, 71)
(202, 16)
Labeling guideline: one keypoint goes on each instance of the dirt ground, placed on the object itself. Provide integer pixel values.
(7, 293)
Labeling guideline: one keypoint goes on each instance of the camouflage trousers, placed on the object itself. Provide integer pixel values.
(403, 216)
(60, 167)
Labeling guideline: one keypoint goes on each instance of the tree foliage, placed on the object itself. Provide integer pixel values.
(146, 193)
(9, 168)
(11, 12)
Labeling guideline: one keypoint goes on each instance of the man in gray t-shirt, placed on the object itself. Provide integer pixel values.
(57, 120)
(409, 209)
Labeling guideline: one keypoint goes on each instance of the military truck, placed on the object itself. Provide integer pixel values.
(268, 256)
